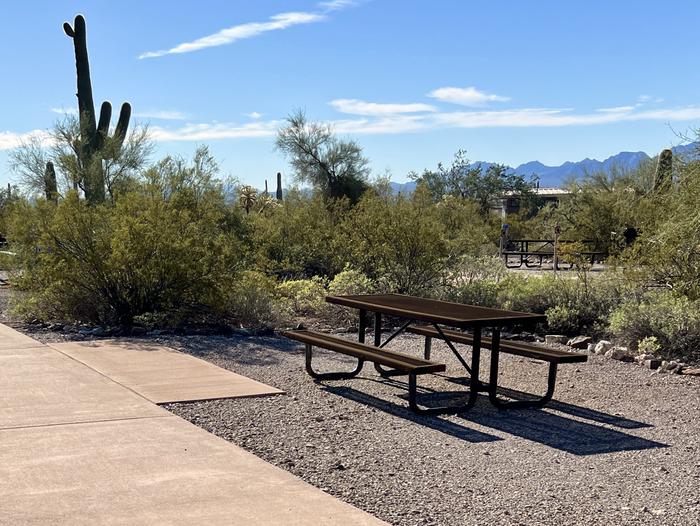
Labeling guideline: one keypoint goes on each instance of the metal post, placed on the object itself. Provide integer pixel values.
(363, 325)
(377, 329)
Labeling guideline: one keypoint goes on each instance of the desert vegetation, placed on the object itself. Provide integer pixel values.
(105, 235)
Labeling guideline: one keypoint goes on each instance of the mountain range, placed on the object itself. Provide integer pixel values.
(554, 176)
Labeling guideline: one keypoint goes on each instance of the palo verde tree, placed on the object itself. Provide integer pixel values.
(95, 143)
(332, 165)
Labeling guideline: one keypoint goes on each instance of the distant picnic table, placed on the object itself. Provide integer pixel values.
(431, 318)
(533, 252)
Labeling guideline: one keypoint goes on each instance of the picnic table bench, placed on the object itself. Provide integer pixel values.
(435, 313)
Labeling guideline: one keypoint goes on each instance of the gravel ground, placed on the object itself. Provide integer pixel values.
(620, 445)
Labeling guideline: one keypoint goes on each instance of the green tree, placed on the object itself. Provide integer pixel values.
(332, 165)
(466, 180)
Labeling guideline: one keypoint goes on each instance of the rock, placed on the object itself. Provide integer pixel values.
(98, 331)
(641, 358)
(555, 339)
(670, 366)
(138, 331)
(618, 353)
(590, 348)
(691, 371)
(653, 363)
(300, 327)
(525, 337)
(579, 342)
(56, 327)
(603, 346)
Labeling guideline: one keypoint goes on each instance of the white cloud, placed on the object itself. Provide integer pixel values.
(617, 109)
(240, 32)
(337, 5)
(465, 96)
(253, 115)
(361, 107)
(10, 140)
(216, 131)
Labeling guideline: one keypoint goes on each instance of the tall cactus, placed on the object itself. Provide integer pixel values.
(93, 133)
(50, 185)
(664, 171)
(279, 186)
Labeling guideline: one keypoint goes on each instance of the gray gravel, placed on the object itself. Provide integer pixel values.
(619, 446)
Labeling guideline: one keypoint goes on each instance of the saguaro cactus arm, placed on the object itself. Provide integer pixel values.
(86, 106)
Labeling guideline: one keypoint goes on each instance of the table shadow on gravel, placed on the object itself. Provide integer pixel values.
(570, 409)
(444, 426)
(558, 432)
(536, 425)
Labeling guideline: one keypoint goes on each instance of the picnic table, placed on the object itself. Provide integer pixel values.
(435, 316)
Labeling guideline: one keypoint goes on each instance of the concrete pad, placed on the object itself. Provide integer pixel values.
(152, 471)
(161, 374)
(40, 386)
(12, 339)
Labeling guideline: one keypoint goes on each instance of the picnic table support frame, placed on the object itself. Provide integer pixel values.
(330, 376)
(493, 381)
(474, 385)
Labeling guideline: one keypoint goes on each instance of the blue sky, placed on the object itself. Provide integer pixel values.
(411, 81)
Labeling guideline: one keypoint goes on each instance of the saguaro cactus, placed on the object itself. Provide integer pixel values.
(93, 133)
(279, 186)
(664, 171)
(50, 185)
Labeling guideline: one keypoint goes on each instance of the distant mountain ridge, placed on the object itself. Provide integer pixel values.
(556, 175)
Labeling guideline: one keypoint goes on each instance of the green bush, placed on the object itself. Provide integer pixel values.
(170, 248)
(253, 302)
(395, 241)
(347, 282)
(672, 319)
(306, 296)
(297, 239)
(572, 304)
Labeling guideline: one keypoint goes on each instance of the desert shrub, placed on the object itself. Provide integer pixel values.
(669, 246)
(475, 280)
(649, 345)
(305, 296)
(347, 282)
(253, 302)
(672, 319)
(397, 242)
(170, 247)
(572, 304)
(296, 240)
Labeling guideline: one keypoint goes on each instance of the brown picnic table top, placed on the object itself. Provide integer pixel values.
(435, 311)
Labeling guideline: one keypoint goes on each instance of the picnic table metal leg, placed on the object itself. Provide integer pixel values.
(385, 373)
(330, 376)
(475, 385)
(363, 325)
(493, 381)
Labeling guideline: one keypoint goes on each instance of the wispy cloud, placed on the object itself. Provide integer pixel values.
(361, 107)
(162, 115)
(254, 115)
(397, 123)
(465, 96)
(240, 32)
(216, 131)
(337, 5)
(617, 109)
(10, 140)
